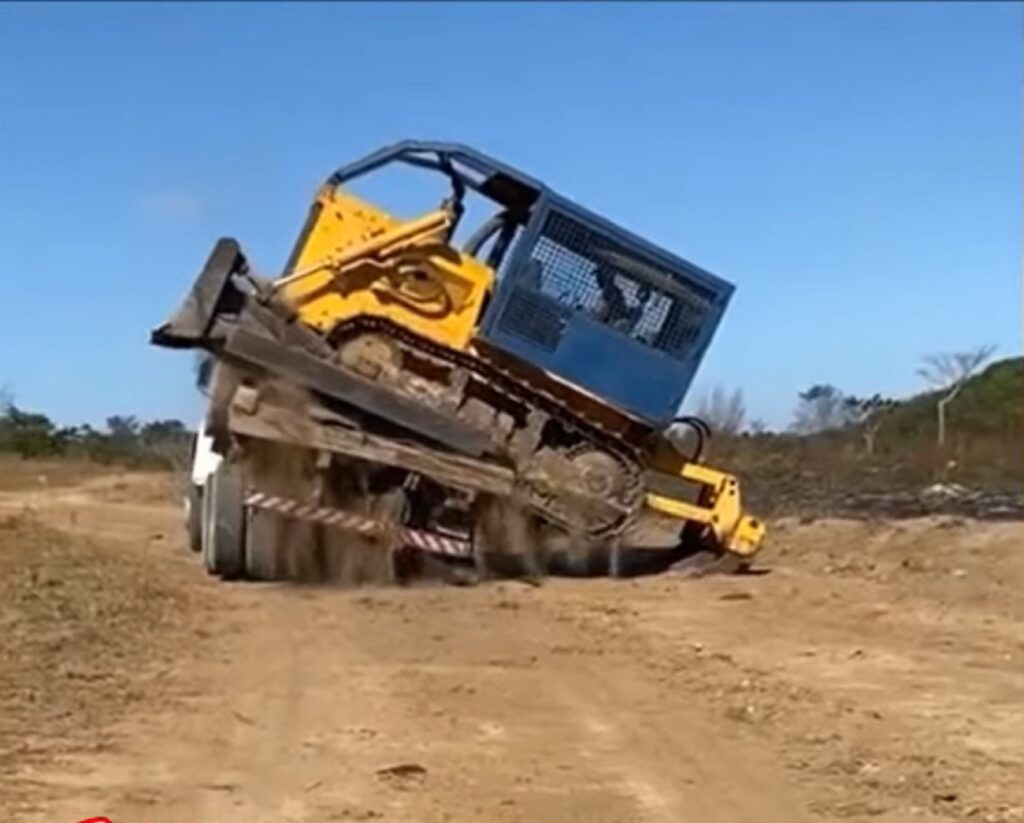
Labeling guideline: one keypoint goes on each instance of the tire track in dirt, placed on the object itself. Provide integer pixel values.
(720, 701)
(297, 701)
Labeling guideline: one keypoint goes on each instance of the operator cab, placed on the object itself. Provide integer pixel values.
(577, 296)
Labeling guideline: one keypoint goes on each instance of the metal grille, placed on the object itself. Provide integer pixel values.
(530, 316)
(589, 273)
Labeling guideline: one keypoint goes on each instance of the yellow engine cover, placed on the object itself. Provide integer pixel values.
(355, 259)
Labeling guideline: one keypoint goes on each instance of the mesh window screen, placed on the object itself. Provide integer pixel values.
(586, 272)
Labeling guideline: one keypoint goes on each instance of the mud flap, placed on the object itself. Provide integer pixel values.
(211, 294)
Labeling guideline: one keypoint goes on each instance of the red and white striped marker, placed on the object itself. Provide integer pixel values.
(348, 521)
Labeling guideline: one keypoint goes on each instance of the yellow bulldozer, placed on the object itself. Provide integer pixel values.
(501, 403)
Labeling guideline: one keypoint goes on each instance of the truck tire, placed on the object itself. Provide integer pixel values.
(261, 544)
(224, 546)
(194, 517)
(392, 507)
(506, 543)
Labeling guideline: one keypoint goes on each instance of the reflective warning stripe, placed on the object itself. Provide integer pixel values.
(348, 521)
(434, 543)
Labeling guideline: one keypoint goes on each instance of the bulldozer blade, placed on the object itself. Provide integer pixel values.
(211, 294)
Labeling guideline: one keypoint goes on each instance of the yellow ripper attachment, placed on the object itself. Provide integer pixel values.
(718, 506)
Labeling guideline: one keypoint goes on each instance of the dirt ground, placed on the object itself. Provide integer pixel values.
(873, 672)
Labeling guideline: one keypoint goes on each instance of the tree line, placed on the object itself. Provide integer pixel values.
(124, 440)
(823, 407)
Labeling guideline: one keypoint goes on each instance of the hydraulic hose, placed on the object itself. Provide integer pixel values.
(702, 431)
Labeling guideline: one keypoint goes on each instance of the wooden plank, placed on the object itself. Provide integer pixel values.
(272, 422)
(341, 383)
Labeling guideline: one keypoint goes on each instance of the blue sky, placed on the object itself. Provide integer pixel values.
(853, 168)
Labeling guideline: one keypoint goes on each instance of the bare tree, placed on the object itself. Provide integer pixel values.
(820, 408)
(168, 440)
(757, 426)
(869, 413)
(723, 411)
(948, 372)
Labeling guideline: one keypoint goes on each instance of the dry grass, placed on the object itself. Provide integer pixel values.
(84, 627)
(18, 474)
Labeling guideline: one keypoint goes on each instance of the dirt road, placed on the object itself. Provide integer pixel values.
(876, 673)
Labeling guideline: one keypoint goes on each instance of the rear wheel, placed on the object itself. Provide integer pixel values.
(392, 507)
(506, 542)
(360, 560)
(262, 538)
(194, 517)
(224, 543)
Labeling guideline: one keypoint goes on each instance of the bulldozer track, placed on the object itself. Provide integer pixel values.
(530, 396)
